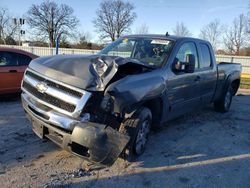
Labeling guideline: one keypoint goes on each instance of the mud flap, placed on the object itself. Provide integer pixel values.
(104, 144)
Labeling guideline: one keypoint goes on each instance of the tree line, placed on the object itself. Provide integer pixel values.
(50, 20)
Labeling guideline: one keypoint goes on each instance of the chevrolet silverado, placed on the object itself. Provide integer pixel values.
(103, 106)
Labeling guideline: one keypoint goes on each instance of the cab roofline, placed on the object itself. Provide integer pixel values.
(160, 36)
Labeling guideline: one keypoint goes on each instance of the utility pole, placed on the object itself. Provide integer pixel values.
(19, 22)
(57, 44)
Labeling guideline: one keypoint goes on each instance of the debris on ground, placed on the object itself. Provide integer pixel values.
(82, 172)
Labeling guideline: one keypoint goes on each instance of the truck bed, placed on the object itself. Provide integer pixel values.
(226, 72)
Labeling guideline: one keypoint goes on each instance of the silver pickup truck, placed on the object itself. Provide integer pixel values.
(103, 106)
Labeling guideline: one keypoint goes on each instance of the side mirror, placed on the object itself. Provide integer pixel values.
(178, 66)
(190, 63)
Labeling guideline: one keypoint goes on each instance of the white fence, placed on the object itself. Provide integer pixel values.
(43, 51)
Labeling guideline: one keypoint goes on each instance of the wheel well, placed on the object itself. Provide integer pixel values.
(156, 108)
(235, 86)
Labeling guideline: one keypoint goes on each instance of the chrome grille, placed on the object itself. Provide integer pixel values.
(49, 99)
(56, 95)
(54, 85)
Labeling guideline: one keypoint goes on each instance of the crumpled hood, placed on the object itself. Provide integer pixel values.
(77, 70)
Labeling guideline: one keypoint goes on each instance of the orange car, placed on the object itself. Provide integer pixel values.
(13, 63)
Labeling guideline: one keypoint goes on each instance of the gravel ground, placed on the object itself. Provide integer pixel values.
(202, 149)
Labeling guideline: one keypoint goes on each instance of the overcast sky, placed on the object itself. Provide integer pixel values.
(159, 15)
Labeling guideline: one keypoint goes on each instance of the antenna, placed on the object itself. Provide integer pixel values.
(167, 34)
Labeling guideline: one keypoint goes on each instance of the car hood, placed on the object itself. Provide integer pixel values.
(80, 70)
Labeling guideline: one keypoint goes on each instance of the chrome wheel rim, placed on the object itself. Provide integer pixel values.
(142, 137)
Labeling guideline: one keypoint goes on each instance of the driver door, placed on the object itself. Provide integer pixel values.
(183, 88)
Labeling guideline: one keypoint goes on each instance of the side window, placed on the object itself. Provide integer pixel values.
(187, 48)
(23, 59)
(205, 56)
(7, 59)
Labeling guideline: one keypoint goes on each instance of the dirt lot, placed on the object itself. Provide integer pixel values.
(204, 149)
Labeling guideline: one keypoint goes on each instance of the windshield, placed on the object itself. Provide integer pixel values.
(151, 52)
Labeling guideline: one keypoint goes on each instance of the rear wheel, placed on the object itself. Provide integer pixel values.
(138, 128)
(223, 105)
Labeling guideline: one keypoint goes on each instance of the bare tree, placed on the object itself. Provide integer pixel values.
(85, 36)
(212, 32)
(114, 17)
(7, 28)
(143, 29)
(248, 20)
(236, 35)
(181, 30)
(50, 19)
(84, 40)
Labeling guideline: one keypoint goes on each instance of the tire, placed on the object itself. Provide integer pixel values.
(223, 105)
(138, 128)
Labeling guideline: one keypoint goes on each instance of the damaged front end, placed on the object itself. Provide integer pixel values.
(82, 112)
(93, 141)
(103, 143)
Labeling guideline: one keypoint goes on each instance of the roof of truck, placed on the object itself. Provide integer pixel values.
(169, 37)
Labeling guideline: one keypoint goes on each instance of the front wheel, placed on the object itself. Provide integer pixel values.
(223, 105)
(138, 128)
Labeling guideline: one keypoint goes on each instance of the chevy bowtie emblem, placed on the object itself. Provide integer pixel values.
(41, 87)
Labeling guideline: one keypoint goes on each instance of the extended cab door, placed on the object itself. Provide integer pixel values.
(208, 72)
(183, 91)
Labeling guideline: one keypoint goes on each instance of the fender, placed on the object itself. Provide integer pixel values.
(129, 92)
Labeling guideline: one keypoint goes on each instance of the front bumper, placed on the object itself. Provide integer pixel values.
(95, 142)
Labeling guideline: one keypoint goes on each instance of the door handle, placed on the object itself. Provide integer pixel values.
(12, 70)
(197, 78)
